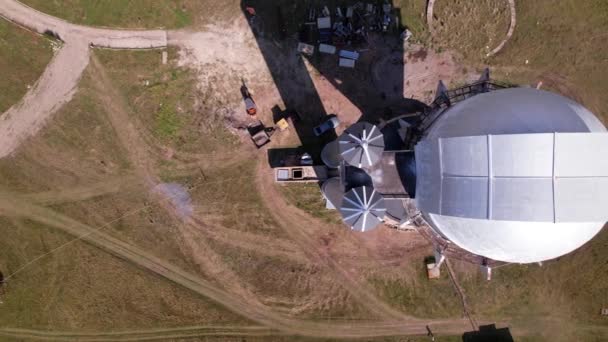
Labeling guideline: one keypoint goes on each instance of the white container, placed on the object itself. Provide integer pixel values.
(324, 23)
(347, 63)
(326, 48)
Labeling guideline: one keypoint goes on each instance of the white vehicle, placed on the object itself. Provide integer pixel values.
(332, 123)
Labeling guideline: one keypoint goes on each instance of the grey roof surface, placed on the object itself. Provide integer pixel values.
(361, 145)
(514, 111)
(560, 177)
(331, 155)
(363, 209)
(395, 208)
(386, 176)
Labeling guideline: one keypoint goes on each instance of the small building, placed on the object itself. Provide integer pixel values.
(300, 174)
(432, 271)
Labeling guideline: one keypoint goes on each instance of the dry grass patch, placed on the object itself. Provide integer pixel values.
(308, 197)
(83, 288)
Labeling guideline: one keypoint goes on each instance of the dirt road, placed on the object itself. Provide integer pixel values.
(55, 88)
(58, 83)
(69, 33)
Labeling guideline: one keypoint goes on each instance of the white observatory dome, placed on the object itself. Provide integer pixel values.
(516, 175)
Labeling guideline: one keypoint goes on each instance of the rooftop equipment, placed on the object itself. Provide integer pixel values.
(330, 155)
(333, 192)
(361, 145)
(363, 209)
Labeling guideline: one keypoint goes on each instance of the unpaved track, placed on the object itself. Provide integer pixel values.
(13, 205)
(139, 335)
(85, 192)
(58, 83)
(55, 88)
(297, 224)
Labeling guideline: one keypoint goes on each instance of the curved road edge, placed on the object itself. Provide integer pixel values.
(54, 88)
(37, 21)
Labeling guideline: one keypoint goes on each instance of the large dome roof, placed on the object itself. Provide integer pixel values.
(514, 111)
(516, 175)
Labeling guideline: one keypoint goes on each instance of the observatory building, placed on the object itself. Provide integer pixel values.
(488, 173)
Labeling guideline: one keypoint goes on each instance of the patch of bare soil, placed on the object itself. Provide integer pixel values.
(226, 56)
(422, 71)
(471, 28)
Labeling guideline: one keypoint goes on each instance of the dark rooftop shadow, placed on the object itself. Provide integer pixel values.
(406, 166)
(488, 333)
(355, 177)
(280, 157)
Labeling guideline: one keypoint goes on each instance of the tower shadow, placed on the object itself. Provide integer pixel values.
(376, 83)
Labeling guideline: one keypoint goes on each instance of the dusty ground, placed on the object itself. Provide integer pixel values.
(224, 232)
(459, 24)
(215, 265)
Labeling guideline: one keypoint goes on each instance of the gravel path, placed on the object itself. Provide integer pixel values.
(59, 81)
(56, 87)
(116, 39)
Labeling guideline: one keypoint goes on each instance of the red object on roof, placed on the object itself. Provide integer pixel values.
(250, 106)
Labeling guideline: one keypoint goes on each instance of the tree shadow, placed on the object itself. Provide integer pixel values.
(488, 333)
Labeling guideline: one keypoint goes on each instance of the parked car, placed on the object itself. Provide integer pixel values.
(306, 159)
(331, 123)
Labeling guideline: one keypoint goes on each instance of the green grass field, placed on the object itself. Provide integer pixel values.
(563, 43)
(308, 197)
(80, 287)
(23, 57)
(133, 13)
